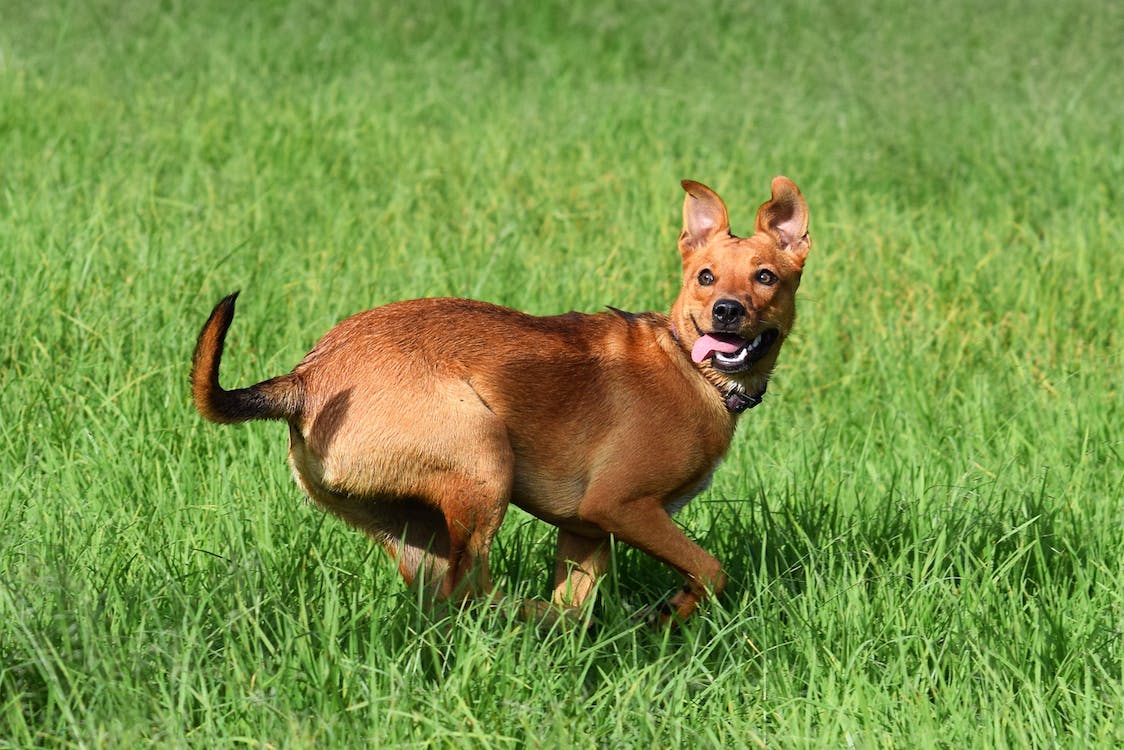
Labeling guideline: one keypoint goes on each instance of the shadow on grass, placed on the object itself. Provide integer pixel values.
(1028, 538)
(987, 564)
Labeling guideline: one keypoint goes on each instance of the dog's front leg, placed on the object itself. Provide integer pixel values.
(578, 563)
(644, 524)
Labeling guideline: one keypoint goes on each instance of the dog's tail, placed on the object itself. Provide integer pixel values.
(277, 398)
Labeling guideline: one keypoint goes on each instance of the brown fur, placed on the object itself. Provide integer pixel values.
(419, 422)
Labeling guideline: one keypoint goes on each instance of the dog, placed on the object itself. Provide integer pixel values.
(418, 422)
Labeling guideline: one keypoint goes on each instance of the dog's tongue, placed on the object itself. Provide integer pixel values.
(710, 343)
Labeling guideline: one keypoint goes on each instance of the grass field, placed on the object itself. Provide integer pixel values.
(923, 524)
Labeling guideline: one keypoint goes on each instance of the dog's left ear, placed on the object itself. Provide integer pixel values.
(785, 219)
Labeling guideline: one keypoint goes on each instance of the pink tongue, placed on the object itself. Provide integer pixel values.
(708, 344)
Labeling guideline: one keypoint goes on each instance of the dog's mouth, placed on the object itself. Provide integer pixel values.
(732, 354)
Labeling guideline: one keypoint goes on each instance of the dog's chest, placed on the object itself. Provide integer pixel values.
(677, 503)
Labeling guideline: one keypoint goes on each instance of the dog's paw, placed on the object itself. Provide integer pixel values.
(655, 616)
(549, 615)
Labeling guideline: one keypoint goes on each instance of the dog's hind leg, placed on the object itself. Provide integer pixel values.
(415, 537)
(431, 484)
(464, 476)
(444, 552)
(474, 508)
(414, 534)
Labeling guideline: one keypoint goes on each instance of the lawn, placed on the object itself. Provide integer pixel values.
(923, 524)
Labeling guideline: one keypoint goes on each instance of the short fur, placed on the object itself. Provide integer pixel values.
(419, 422)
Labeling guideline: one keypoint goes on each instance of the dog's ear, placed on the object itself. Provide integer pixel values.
(785, 219)
(704, 215)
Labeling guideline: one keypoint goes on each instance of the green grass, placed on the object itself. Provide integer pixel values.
(923, 525)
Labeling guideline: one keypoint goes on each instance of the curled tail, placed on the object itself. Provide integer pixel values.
(277, 398)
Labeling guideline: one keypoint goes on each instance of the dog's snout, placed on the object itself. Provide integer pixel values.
(727, 312)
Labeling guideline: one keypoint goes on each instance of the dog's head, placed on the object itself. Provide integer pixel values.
(738, 301)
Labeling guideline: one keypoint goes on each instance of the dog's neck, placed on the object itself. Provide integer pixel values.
(733, 395)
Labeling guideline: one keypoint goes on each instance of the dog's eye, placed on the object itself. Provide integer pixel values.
(706, 278)
(766, 277)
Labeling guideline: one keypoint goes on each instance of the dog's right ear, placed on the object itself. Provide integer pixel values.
(785, 218)
(704, 216)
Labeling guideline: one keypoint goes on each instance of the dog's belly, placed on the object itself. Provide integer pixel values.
(554, 497)
(555, 494)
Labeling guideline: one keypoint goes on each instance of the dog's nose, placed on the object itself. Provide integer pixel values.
(727, 312)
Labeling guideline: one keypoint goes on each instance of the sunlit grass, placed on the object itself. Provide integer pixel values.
(923, 523)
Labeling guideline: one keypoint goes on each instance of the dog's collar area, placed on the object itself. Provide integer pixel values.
(736, 399)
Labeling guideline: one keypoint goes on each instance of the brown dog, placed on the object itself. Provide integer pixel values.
(418, 422)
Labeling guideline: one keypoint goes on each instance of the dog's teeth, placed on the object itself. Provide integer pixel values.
(740, 356)
(756, 341)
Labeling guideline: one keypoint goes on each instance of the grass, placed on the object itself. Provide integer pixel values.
(923, 525)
